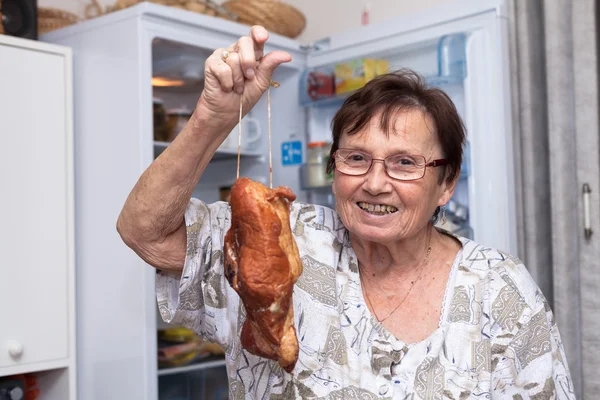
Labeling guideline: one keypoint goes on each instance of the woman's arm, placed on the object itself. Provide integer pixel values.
(152, 219)
(151, 222)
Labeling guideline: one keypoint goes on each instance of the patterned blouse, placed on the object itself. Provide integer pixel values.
(497, 337)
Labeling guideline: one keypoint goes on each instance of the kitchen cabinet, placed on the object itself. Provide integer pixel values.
(37, 328)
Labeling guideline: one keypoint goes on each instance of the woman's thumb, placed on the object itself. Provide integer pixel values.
(271, 61)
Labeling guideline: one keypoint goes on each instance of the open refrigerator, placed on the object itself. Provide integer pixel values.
(461, 48)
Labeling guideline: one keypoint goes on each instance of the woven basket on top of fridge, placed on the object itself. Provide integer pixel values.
(274, 15)
(206, 7)
(50, 19)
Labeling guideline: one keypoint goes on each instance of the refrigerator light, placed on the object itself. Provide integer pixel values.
(166, 82)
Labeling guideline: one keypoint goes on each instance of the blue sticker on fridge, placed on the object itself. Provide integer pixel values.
(291, 153)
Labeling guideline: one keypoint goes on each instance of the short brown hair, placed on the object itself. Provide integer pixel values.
(396, 91)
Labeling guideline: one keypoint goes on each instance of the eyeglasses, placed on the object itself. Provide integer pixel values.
(404, 167)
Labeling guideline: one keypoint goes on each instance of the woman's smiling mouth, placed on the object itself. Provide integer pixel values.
(376, 209)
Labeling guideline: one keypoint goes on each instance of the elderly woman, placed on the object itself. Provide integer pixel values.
(387, 306)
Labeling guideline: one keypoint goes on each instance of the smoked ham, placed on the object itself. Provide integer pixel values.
(262, 264)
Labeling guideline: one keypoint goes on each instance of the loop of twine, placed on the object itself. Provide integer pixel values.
(271, 84)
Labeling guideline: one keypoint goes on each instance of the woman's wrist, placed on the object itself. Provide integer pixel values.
(207, 123)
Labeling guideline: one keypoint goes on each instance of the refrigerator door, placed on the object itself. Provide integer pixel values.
(482, 96)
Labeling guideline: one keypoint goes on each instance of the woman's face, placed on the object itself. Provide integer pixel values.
(410, 204)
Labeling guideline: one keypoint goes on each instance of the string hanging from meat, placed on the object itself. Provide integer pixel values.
(262, 263)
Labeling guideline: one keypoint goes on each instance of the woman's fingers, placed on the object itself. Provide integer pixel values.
(233, 61)
(259, 36)
(247, 56)
(237, 63)
(217, 66)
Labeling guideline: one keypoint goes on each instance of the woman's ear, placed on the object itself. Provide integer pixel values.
(448, 189)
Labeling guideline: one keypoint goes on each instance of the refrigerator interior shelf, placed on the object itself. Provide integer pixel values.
(203, 365)
(178, 61)
(318, 85)
(221, 154)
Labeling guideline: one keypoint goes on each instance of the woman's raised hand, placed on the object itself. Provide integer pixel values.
(242, 69)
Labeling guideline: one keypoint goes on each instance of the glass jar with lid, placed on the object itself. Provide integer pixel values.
(317, 156)
(161, 129)
(177, 119)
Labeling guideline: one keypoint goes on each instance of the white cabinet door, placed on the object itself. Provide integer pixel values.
(34, 207)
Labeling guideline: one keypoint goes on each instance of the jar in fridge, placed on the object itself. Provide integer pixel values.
(161, 129)
(316, 164)
(177, 119)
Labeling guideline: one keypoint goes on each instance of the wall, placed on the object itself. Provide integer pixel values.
(327, 17)
(324, 17)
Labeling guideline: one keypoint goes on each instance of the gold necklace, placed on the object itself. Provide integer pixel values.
(409, 290)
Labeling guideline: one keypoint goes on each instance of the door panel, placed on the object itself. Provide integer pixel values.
(586, 85)
(33, 206)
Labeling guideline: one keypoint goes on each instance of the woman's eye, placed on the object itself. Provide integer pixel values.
(356, 157)
(405, 161)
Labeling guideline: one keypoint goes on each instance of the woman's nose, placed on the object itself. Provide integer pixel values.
(377, 180)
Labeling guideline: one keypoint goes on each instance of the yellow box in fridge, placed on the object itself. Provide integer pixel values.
(354, 74)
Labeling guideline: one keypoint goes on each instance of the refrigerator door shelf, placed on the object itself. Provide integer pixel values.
(465, 166)
(317, 85)
(338, 100)
(452, 57)
(443, 81)
(313, 177)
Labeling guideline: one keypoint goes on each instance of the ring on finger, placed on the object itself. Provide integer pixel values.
(224, 55)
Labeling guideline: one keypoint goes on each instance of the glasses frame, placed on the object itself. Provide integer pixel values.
(435, 163)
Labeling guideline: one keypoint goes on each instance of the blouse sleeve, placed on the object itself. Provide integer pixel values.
(201, 298)
(532, 365)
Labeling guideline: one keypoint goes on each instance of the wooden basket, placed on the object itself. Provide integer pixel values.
(274, 15)
(50, 19)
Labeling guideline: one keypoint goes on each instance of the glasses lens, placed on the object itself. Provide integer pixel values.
(352, 162)
(405, 166)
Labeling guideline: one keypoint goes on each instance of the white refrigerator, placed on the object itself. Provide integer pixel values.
(115, 59)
